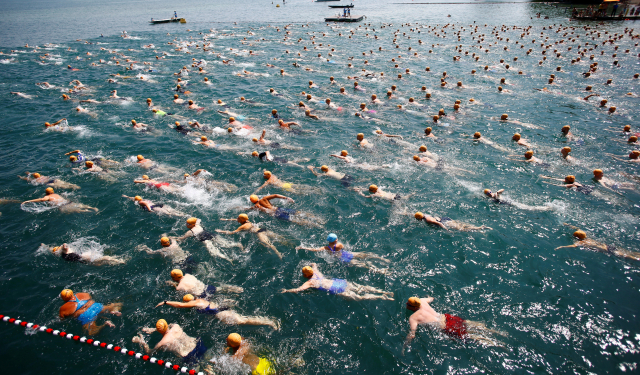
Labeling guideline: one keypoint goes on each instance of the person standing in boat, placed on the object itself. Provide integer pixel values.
(175, 14)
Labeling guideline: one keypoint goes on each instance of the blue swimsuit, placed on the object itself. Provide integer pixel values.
(91, 314)
(209, 291)
(197, 353)
(209, 310)
(345, 256)
(284, 213)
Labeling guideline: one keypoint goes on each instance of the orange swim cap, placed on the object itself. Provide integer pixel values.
(66, 294)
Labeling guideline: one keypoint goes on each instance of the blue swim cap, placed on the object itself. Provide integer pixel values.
(332, 237)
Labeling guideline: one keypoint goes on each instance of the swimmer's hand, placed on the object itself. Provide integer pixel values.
(138, 339)
(146, 330)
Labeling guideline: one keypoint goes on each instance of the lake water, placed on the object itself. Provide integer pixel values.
(570, 310)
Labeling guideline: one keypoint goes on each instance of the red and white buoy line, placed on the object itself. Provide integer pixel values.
(99, 344)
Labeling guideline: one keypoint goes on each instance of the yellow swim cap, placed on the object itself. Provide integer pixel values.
(597, 172)
(192, 221)
(344, 153)
(416, 157)
(140, 157)
(360, 136)
(203, 138)
(566, 128)
(419, 215)
(188, 298)
(267, 174)
(580, 234)
(566, 149)
(162, 326)
(255, 139)
(528, 154)
(436, 118)
(504, 116)
(255, 153)
(477, 135)
(254, 198)
(145, 177)
(324, 168)
(423, 148)
(632, 139)
(570, 179)
(487, 191)
(373, 188)
(307, 271)
(48, 190)
(36, 175)
(73, 158)
(414, 302)
(516, 137)
(232, 119)
(165, 241)
(176, 274)
(230, 130)
(243, 218)
(88, 163)
(234, 340)
(66, 294)
(56, 248)
(137, 198)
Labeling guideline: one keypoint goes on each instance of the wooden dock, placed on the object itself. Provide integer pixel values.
(344, 19)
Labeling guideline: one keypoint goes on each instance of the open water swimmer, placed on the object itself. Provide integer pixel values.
(84, 309)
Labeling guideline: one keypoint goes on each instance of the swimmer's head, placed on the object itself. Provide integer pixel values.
(266, 175)
(598, 173)
(175, 96)
(634, 154)
(528, 155)
(234, 340)
(419, 215)
(416, 157)
(254, 198)
(504, 117)
(145, 177)
(307, 272)
(176, 274)
(165, 241)
(441, 112)
(137, 198)
(148, 100)
(427, 131)
(73, 158)
(516, 137)
(373, 188)
(243, 218)
(203, 138)
(66, 294)
(324, 168)
(255, 154)
(378, 131)
(88, 164)
(487, 192)
(232, 119)
(477, 135)
(413, 303)
(191, 222)
(580, 234)
(55, 248)
(633, 139)
(188, 298)
(162, 326)
(274, 111)
(229, 130)
(36, 175)
(570, 179)
(565, 129)
(140, 157)
(360, 136)
(255, 139)
(190, 102)
(627, 128)
(423, 148)
(48, 191)
(612, 109)
(565, 150)
(363, 105)
(307, 112)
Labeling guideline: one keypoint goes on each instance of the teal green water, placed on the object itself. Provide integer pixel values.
(564, 311)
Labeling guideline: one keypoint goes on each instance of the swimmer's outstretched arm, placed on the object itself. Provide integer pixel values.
(345, 158)
(560, 247)
(72, 152)
(43, 199)
(359, 191)
(302, 287)
(277, 196)
(311, 168)
(552, 178)
(241, 228)
(132, 198)
(185, 236)
(310, 248)
(178, 304)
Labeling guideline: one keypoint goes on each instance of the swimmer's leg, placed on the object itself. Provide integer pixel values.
(92, 328)
(264, 238)
(63, 185)
(370, 256)
(228, 243)
(232, 317)
(214, 251)
(113, 308)
(225, 288)
(109, 261)
(170, 211)
(369, 289)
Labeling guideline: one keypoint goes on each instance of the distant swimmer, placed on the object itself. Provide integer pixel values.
(287, 125)
(363, 143)
(61, 124)
(571, 183)
(145, 163)
(22, 95)
(344, 156)
(264, 236)
(447, 223)
(139, 125)
(588, 243)
(450, 325)
(340, 287)
(495, 196)
(598, 176)
(158, 208)
(376, 192)
(275, 145)
(242, 351)
(86, 310)
(519, 141)
(189, 284)
(160, 185)
(477, 137)
(196, 178)
(428, 132)
(336, 249)
(566, 133)
(529, 158)
(37, 179)
(60, 203)
(170, 249)
(174, 340)
(438, 165)
(275, 181)
(223, 313)
(634, 157)
(67, 253)
(564, 153)
(344, 179)
(210, 239)
(287, 214)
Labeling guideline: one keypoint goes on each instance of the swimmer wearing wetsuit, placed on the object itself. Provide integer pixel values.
(174, 340)
(86, 310)
(450, 325)
(224, 313)
(340, 287)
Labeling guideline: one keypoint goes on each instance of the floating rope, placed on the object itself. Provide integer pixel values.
(97, 343)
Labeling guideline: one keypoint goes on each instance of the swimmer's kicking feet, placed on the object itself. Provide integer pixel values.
(340, 287)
